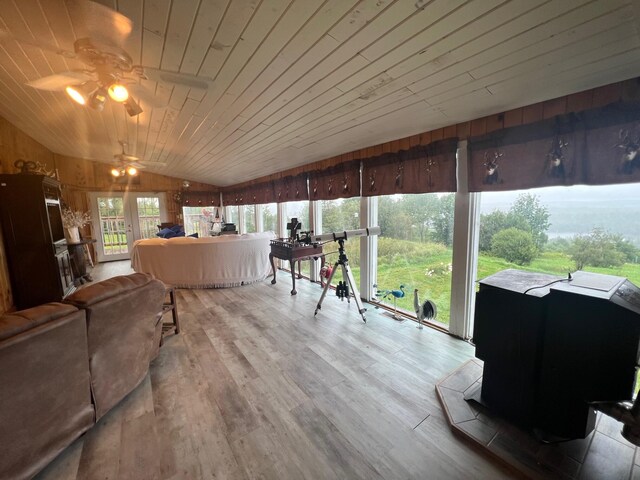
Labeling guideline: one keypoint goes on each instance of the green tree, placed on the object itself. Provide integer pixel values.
(514, 245)
(597, 249)
(250, 218)
(527, 206)
(270, 218)
(494, 222)
(339, 215)
(628, 249)
(558, 245)
(393, 218)
(417, 213)
(525, 214)
(443, 220)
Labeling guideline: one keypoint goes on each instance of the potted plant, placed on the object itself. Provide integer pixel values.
(72, 221)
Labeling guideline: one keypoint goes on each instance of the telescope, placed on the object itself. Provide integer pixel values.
(337, 236)
(348, 283)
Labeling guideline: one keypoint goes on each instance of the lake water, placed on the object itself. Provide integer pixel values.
(580, 209)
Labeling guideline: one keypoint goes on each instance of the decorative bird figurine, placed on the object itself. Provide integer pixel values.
(396, 294)
(426, 310)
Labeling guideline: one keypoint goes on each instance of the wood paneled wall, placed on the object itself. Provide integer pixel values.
(78, 177)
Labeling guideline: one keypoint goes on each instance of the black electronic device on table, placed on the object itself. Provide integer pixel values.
(228, 227)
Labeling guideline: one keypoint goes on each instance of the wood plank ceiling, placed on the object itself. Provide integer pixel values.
(295, 81)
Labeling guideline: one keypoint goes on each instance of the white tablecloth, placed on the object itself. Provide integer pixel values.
(208, 262)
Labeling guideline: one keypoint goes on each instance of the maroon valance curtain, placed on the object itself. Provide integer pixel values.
(421, 169)
(260, 193)
(249, 195)
(200, 199)
(291, 189)
(235, 197)
(340, 181)
(595, 147)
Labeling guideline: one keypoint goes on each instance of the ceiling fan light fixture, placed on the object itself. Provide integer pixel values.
(118, 92)
(116, 172)
(132, 171)
(132, 107)
(81, 93)
(97, 100)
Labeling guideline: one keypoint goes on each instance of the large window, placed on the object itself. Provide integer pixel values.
(299, 210)
(337, 216)
(270, 217)
(415, 250)
(249, 218)
(562, 229)
(232, 216)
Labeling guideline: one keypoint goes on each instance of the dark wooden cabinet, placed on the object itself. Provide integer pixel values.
(33, 234)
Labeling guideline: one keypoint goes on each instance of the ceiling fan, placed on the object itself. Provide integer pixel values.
(127, 164)
(110, 72)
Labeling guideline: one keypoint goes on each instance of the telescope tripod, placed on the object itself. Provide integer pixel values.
(342, 290)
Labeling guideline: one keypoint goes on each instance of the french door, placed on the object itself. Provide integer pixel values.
(120, 218)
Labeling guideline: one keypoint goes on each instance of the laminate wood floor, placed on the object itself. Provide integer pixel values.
(255, 386)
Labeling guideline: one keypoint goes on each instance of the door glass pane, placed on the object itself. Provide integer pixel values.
(337, 216)
(249, 218)
(415, 251)
(112, 225)
(148, 216)
(270, 217)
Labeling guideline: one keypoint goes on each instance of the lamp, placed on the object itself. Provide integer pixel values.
(132, 107)
(118, 92)
(82, 93)
(94, 94)
(98, 99)
(122, 171)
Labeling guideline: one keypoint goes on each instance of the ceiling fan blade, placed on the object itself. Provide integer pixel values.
(146, 95)
(59, 81)
(153, 164)
(191, 81)
(125, 158)
(98, 22)
(6, 36)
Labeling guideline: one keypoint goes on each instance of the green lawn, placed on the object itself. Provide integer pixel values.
(424, 266)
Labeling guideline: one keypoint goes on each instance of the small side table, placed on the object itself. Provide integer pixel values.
(172, 306)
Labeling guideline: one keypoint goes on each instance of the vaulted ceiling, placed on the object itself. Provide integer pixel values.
(295, 81)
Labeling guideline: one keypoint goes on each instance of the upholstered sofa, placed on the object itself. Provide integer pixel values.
(208, 262)
(65, 365)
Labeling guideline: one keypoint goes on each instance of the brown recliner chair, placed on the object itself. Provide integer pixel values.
(45, 398)
(61, 368)
(124, 325)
